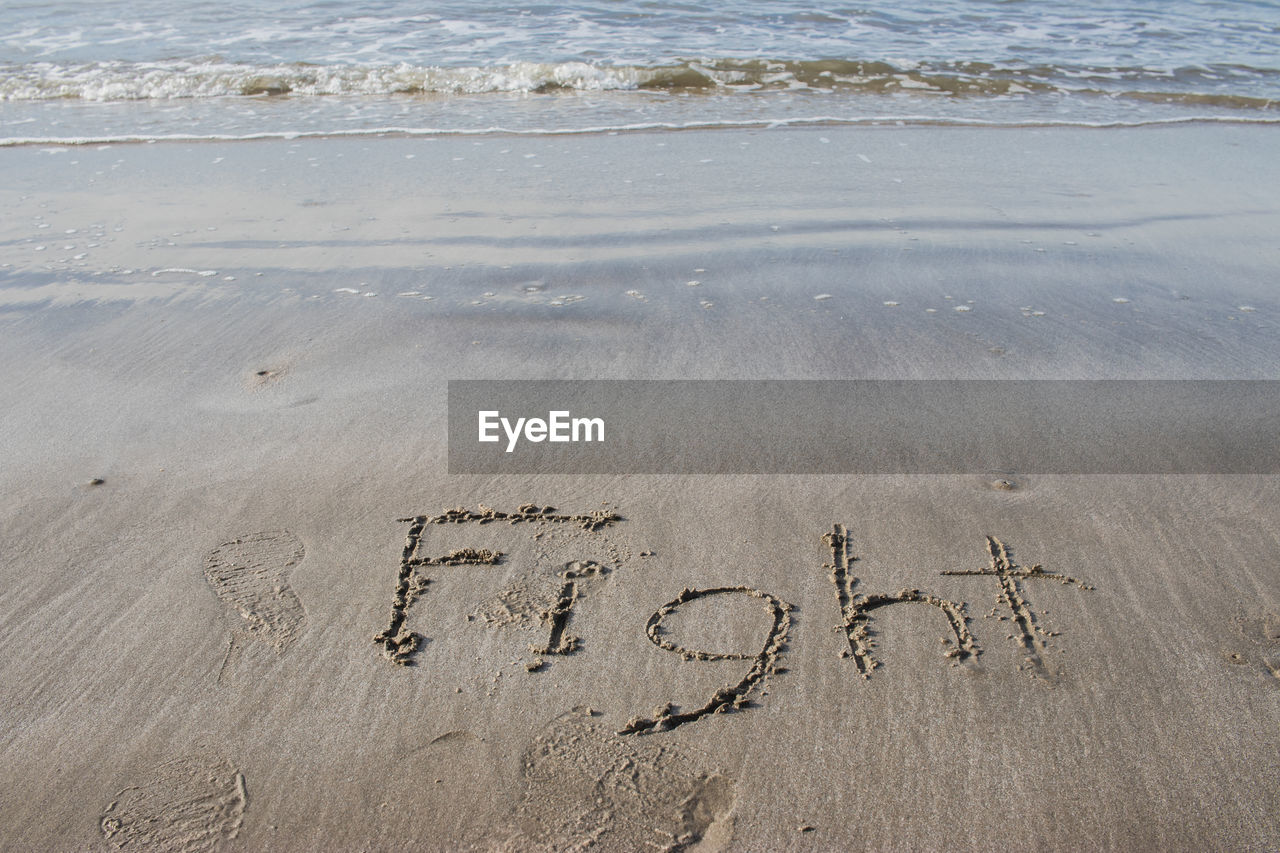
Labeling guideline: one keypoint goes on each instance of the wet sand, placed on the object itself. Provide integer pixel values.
(236, 611)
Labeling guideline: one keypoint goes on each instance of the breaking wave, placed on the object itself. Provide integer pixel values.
(1232, 87)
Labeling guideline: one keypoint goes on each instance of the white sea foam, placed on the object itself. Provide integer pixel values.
(639, 127)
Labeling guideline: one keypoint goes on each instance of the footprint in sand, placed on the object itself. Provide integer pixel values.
(541, 601)
(251, 575)
(586, 787)
(1261, 650)
(522, 603)
(190, 805)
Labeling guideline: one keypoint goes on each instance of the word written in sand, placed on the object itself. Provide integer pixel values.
(857, 610)
(400, 645)
(559, 426)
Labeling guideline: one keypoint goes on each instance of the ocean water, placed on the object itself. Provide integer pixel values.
(101, 70)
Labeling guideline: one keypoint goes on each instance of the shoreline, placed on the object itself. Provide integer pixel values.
(883, 121)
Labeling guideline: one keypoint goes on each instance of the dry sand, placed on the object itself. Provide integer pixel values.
(263, 629)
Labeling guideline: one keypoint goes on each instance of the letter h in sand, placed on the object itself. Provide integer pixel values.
(856, 610)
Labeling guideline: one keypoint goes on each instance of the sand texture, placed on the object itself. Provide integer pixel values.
(243, 605)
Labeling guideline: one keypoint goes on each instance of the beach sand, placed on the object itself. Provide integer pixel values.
(224, 475)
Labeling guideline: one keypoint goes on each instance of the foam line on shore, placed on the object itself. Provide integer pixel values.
(642, 127)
